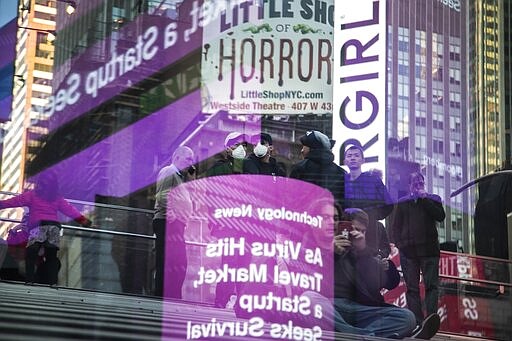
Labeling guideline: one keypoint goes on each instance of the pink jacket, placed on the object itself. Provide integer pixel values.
(40, 209)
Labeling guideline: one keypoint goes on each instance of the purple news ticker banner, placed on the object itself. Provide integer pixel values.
(273, 243)
(131, 54)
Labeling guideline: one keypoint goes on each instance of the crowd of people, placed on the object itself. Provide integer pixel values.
(360, 259)
(361, 264)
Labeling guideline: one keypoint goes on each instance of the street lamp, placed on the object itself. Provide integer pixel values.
(70, 6)
(51, 33)
(20, 79)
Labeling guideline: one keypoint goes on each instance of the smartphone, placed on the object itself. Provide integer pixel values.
(344, 228)
(192, 170)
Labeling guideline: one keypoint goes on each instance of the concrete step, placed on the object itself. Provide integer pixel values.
(42, 313)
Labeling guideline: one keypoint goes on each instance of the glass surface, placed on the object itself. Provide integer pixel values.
(420, 86)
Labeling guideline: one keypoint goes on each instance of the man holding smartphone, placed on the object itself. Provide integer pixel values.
(359, 278)
(414, 232)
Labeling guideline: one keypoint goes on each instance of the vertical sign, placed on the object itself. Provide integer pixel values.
(359, 83)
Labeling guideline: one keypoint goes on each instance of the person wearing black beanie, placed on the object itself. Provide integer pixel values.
(318, 167)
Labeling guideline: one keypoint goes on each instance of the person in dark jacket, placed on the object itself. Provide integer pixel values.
(231, 159)
(365, 190)
(231, 162)
(359, 277)
(173, 207)
(354, 304)
(318, 167)
(260, 160)
(414, 232)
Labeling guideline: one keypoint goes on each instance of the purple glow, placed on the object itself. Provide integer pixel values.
(260, 212)
(126, 159)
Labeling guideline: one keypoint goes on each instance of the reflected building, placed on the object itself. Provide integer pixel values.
(490, 108)
(33, 70)
(487, 100)
(426, 101)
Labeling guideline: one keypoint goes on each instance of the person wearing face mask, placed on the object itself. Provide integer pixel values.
(232, 158)
(231, 161)
(261, 161)
(414, 231)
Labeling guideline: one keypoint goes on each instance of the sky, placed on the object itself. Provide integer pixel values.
(7, 10)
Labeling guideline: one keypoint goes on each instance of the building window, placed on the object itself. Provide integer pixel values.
(438, 146)
(44, 16)
(455, 52)
(437, 96)
(455, 76)
(42, 67)
(437, 74)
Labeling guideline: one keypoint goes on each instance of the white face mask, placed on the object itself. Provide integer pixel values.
(260, 150)
(238, 152)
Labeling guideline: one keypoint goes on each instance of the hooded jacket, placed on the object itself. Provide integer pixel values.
(318, 168)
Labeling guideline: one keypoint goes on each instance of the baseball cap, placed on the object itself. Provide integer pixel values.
(234, 138)
(315, 140)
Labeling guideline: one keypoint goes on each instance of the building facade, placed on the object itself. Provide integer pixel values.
(33, 77)
(427, 100)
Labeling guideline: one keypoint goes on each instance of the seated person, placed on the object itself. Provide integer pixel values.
(359, 279)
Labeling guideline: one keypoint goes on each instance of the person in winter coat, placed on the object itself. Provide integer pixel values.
(261, 161)
(44, 202)
(318, 167)
(366, 191)
(359, 277)
(414, 232)
(173, 208)
(231, 159)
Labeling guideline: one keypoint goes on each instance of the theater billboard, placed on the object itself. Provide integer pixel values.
(272, 57)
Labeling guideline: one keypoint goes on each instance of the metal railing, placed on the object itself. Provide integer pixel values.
(111, 259)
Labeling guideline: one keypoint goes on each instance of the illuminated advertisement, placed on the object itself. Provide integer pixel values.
(268, 57)
(159, 42)
(269, 245)
(359, 107)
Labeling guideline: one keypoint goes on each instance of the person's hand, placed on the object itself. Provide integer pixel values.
(383, 262)
(341, 244)
(422, 193)
(191, 173)
(358, 240)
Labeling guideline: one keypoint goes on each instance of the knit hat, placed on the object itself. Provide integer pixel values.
(315, 140)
